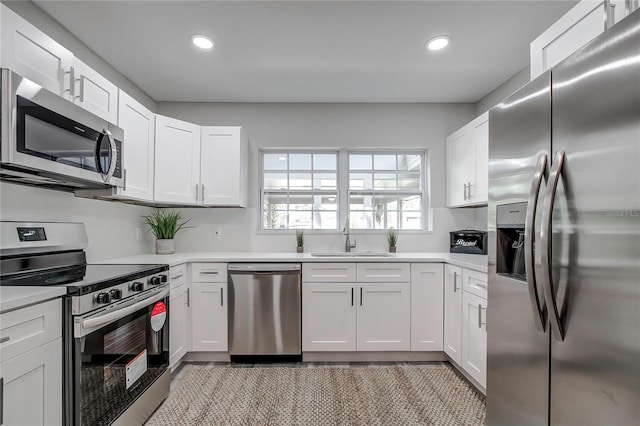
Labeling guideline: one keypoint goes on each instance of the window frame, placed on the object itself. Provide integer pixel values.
(342, 187)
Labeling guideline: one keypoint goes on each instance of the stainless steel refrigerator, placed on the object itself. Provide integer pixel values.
(564, 241)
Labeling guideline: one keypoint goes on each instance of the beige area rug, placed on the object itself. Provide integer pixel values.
(363, 396)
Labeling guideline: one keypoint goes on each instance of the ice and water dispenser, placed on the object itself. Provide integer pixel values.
(510, 240)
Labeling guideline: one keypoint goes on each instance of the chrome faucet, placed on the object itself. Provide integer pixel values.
(348, 245)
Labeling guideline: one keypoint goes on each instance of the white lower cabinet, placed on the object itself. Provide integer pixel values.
(178, 315)
(32, 386)
(384, 317)
(465, 330)
(453, 313)
(427, 306)
(31, 367)
(474, 336)
(209, 317)
(328, 317)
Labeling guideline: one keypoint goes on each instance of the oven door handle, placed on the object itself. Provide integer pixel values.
(121, 313)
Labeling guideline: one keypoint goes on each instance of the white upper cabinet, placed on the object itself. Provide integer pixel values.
(223, 166)
(573, 30)
(177, 161)
(93, 92)
(138, 124)
(32, 54)
(467, 164)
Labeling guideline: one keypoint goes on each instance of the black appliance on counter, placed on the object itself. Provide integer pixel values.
(115, 322)
(468, 241)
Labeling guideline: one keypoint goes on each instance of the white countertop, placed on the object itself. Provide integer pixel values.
(18, 297)
(470, 261)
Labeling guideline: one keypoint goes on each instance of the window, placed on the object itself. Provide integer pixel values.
(377, 190)
(386, 190)
(300, 190)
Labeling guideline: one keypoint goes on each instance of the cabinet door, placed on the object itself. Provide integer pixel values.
(427, 306)
(479, 192)
(94, 93)
(178, 325)
(138, 124)
(32, 54)
(453, 313)
(384, 320)
(32, 393)
(474, 337)
(209, 317)
(460, 166)
(177, 165)
(328, 317)
(573, 30)
(223, 166)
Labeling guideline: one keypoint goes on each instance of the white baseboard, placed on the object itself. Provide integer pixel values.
(373, 356)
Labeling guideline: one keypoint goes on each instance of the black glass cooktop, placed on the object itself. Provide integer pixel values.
(83, 279)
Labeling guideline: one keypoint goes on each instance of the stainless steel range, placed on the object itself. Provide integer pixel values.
(116, 322)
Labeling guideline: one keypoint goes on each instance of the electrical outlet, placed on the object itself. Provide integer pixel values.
(138, 233)
(217, 233)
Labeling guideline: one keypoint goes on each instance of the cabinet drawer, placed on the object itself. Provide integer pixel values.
(329, 272)
(177, 276)
(384, 272)
(474, 282)
(27, 328)
(209, 272)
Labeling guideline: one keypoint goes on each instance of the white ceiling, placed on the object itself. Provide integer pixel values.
(311, 51)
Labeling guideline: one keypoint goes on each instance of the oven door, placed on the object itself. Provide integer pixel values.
(118, 355)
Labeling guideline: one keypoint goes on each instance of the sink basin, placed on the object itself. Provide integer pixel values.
(351, 254)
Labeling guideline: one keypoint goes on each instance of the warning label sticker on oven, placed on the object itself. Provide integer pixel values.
(136, 368)
(158, 316)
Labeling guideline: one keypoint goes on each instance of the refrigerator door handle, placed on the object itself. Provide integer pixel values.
(529, 228)
(545, 244)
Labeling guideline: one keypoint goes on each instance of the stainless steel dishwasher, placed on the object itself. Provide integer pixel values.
(264, 310)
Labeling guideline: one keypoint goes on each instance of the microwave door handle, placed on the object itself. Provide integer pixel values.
(114, 155)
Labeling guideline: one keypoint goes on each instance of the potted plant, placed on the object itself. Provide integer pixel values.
(165, 226)
(300, 240)
(392, 238)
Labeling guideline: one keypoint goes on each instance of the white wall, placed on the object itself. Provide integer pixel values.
(325, 125)
(111, 227)
(492, 99)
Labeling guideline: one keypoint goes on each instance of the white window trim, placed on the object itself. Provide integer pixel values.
(342, 176)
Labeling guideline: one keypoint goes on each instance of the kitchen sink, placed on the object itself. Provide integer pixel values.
(351, 254)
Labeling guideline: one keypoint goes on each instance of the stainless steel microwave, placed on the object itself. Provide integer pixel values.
(48, 141)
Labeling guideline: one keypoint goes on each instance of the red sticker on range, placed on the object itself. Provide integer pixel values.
(158, 316)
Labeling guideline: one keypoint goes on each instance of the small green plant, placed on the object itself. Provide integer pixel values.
(392, 237)
(300, 237)
(165, 225)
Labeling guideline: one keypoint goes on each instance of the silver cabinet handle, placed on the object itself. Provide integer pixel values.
(72, 82)
(188, 297)
(480, 315)
(4, 339)
(177, 276)
(1, 400)
(469, 185)
(351, 296)
(529, 228)
(209, 273)
(455, 282)
(196, 192)
(81, 80)
(465, 191)
(124, 178)
(545, 244)
(360, 296)
(609, 14)
(202, 193)
(221, 296)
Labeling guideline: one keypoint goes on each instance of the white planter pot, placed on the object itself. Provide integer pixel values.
(165, 246)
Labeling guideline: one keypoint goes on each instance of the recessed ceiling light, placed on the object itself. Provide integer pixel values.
(202, 41)
(438, 43)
